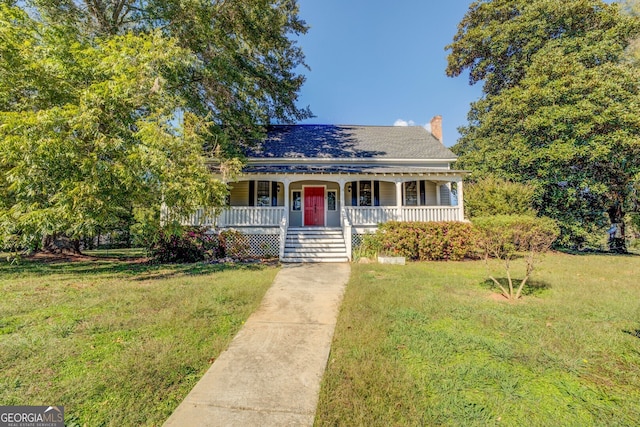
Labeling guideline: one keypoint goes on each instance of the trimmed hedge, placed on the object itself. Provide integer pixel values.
(424, 241)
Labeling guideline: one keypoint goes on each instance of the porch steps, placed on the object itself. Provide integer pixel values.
(315, 244)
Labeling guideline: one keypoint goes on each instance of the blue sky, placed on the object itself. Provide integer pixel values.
(375, 62)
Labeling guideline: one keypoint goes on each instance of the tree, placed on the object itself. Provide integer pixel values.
(632, 8)
(507, 237)
(559, 109)
(89, 132)
(108, 107)
(496, 196)
(249, 60)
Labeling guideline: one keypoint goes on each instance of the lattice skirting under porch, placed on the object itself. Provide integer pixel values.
(259, 245)
(356, 241)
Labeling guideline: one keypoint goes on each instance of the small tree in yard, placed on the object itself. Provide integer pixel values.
(507, 237)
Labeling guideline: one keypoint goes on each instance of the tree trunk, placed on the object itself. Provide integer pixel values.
(617, 241)
(56, 244)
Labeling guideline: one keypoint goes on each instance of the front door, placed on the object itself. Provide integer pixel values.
(314, 206)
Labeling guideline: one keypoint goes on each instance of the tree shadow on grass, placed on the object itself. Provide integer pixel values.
(635, 332)
(531, 288)
(597, 252)
(122, 269)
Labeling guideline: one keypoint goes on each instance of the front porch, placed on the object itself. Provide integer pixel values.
(264, 208)
(329, 203)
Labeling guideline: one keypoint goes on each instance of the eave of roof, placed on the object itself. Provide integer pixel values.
(377, 170)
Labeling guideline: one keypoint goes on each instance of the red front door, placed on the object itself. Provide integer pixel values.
(314, 206)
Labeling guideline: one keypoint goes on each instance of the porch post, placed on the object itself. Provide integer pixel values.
(438, 200)
(399, 200)
(342, 183)
(285, 184)
(460, 200)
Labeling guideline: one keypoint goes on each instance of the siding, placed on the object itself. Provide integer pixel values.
(240, 193)
(430, 195)
(387, 193)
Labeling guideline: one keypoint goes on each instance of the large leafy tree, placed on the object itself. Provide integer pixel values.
(559, 108)
(249, 58)
(88, 131)
(108, 108)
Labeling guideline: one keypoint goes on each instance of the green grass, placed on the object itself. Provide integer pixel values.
(428, 344)
(117, 343)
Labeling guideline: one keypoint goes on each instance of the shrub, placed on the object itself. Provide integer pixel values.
(424, 241)
(187, 245)
(496, 196)
(506, 237)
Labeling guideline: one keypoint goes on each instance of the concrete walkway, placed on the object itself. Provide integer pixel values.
(270, 374)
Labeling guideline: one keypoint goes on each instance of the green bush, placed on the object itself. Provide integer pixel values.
(423, 241)
(496, 196)
(188, 245)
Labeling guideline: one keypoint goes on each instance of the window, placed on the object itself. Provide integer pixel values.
(411, 193)
(263, 195)
(364, 193)
(331, 200)
(296, 200)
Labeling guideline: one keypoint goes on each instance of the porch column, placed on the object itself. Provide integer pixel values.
(342, 183)
(285, 184)
(438, 200)
(460, 200)
(399, 200)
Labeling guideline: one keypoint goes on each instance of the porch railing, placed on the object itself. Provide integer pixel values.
(238, 216)
(430, 213)
(366, 215)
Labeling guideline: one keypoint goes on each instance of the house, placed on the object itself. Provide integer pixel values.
(309, 192)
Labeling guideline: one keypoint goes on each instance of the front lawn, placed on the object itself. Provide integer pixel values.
(431, 344)
(117, 343)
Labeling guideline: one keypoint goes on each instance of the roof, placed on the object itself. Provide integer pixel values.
(350, 142)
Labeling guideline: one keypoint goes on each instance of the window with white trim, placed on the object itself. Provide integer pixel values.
(332, 203)
(296, 200)
(263, 193)
(411, 193)
(365, 193)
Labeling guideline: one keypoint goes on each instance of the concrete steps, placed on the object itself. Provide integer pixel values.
(315, 244)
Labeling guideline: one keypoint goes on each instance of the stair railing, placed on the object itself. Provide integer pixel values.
(283, 235)
(346, 232)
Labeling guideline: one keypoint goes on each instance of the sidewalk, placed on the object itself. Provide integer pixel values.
(270, 374)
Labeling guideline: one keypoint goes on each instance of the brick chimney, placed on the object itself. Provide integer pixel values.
(436, 127)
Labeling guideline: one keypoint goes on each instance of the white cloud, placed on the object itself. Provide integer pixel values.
(401, 122)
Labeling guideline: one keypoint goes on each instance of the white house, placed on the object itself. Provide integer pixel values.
(309, 192)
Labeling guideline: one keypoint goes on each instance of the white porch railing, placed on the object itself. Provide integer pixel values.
(250, 216)
(240, 216)
(430, 213)
(366, 215)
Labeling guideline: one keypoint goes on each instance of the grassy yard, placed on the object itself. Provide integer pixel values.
(117, 343)
(430, 344)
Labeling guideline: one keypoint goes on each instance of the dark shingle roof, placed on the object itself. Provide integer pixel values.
(339, 142)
